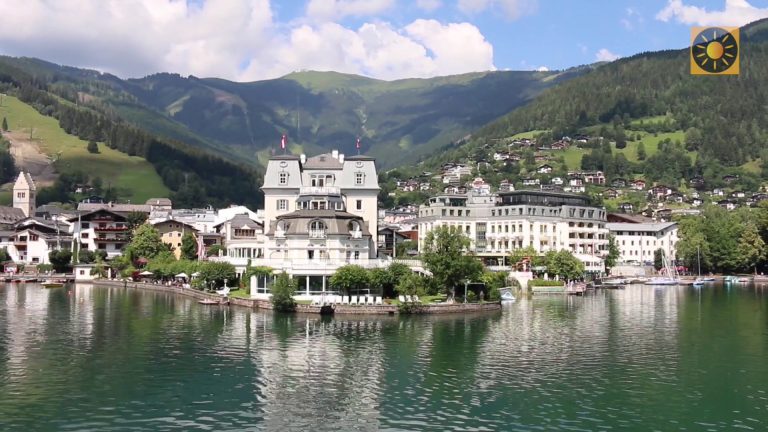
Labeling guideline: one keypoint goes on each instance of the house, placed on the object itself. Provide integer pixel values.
(730, 178)
(480, 187)
(611, 193)
(544, 169)
(575, 181)
(738, 194)
(560, 145)
(626, 207)
(594, 177)
(506, 186)
(531, 182)
(718, 192)
(696, 182)
(172, 232)
(659, 191)
(619, 182)
(727, 204)
(424, 186)
(696, 202)
(389, 240)
(638, 184)
(500, 156)
(101, 229)
(556, 181)
(575, 189)
(34, 238)
(675, 197)
(242, 237)
(663, 215)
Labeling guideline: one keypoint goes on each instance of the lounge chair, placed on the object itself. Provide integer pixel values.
(416, 299)
(408, 299)
(401, 298)
(353, 300)
(223, 292)
(370, 301)
(315, 301)
(345, 300)
(378, 300)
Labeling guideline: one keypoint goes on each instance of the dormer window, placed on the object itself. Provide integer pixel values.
(283, 178)
(359, 178)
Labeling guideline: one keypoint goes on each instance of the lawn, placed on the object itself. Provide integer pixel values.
(133, 177)
(573, 155)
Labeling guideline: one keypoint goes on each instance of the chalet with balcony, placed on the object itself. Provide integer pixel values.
(172, 232)
(33, 239)
(619, 182)
(389, 240)
(242, 237)
(611, 193)
(101, 229)
(544, 169)
(638, 184)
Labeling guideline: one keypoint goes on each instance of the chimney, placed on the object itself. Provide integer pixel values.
(303, 158)
(335, 154)
(341, 158)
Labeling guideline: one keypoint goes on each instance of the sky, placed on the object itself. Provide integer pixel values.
(247, 40)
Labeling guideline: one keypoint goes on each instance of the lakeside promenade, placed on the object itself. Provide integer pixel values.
(386, 309)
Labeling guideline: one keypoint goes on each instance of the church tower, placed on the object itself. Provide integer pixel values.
(24, 191)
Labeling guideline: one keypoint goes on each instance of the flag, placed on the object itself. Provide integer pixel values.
(283, 142)
(357, 144)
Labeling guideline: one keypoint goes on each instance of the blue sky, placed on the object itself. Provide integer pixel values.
(389, 39)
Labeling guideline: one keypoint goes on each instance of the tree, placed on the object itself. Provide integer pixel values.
(444, 255)
(411, 284)
(385, 280)
(518, 255)
(4, 256)
(282, 294)
(658, 259)
(100, 255)
(216, 273)
(350, 278)
(136, 219)
(563, 264)
(406, 246)
(60, 259)
(146, 243)
(5, 124)
(86, 256)
(613, 253)
(93, 147)
(751, 247)
(641, 155)
(213, 250)
(188, 247)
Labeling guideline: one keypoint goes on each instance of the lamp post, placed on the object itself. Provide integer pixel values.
(466, 282)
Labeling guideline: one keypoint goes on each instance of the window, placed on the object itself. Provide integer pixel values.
(283, 176)
(84, 235)
(316, 229)
(85, 225)
(21, 194)
(359, 204)
(282, 204)
(359, 179)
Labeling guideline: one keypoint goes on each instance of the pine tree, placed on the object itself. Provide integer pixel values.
(93, 147)
(5, 124)
(641, 151)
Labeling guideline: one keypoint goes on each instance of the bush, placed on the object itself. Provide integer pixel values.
(282, 294)
(85, 256)
(471, 297)
(544, 282)
(93, 147)
(494, 295)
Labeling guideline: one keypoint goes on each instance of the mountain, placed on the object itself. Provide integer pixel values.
(398, 121)
(729, 114)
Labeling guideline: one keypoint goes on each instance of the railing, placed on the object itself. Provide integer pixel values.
(111, 229)
(317, 234)
(356, 234)
(110, 240)
(319, 190)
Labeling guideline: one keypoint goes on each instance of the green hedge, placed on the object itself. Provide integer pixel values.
(544, 282)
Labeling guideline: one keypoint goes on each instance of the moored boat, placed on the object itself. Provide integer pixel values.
(52, 284)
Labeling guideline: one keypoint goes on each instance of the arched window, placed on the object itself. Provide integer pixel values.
(317, 229)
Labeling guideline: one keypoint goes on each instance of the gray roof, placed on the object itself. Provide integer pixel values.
(122, 208)
(242, 221)
(159, 202)
(651, 227)
(323, 161)
(11, 214)
(336, 222)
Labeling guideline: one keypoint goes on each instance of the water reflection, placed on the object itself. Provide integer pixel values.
(92, 358)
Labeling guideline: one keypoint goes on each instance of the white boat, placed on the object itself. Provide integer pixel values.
(670, 275)
(506, 295)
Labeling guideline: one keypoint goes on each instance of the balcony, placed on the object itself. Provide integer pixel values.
(111, 229)
(317, 234)
(111, 239)
(319, 190)
(359, 235)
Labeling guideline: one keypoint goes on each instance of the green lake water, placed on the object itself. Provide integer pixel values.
(644, 358)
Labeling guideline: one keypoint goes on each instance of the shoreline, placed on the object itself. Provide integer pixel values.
(303, 308)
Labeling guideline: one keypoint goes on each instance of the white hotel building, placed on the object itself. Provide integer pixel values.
(319, 214)
(499, 224)
(637, 242)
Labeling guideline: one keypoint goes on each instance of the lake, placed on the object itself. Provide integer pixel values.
(643, 358)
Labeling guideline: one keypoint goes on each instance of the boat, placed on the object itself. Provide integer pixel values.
(730, 279)
(670, 275)
(52, 284)
(506, 295)
(699, 282)
(212, 302)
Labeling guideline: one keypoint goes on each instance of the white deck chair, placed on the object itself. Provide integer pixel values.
(224, 292)
(401, 298)
(408, 299)
(378, 300)
(345, 300)
(370, 301)
(416, 299)
(353, 300)
(315, 301)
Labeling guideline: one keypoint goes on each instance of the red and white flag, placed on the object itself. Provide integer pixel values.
(283, 142)
(357, 144)
(200, 248)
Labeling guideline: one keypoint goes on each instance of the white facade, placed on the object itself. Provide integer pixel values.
(499, 224)
(24, 194)
(101, 229)
(638, 241)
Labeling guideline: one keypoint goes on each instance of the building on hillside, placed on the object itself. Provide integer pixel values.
(101, 229)
(242, 237)
(172, 232)
(202, 219)
(637, 242)
(497, 225)
(388, 241)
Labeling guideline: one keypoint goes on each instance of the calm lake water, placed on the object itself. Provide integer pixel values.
(644, 358)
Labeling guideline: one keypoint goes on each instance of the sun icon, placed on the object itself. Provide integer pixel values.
(715, 50)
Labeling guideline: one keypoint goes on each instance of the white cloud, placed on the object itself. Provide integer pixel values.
(337, 9)
(512, 9)
(735, 13)
(542, 69)
(632, 19)
(429, 5)
(233, 39)
(604, 55)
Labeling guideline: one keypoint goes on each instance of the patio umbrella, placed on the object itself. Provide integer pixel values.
(195, 274)
(146, 273)
(182, 275)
